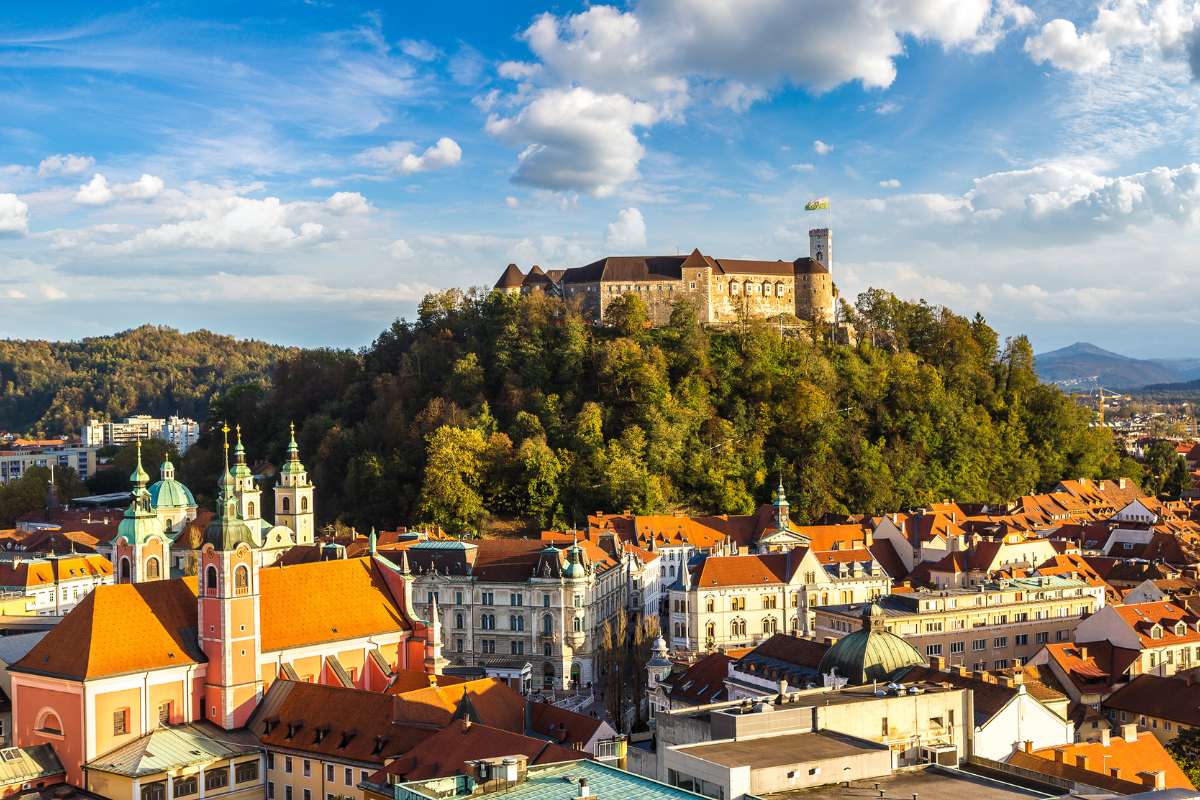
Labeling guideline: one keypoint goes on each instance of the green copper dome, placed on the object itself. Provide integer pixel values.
(575, 568)
(140, 522)
(171, 494)
(870, 654)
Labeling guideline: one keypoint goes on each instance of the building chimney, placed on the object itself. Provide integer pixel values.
(1081, 761)
(584, 789)
(937, 663)
(1029, 745)
(1154, 779)
(1129, 731)
(1083, 653)
(1105, 736)
(1058, 755)
(783, 687)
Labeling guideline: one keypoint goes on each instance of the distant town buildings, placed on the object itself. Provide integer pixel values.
(179, 431)
(17, 457)
(722, 290)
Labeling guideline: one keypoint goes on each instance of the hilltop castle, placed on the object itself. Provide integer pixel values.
(722, 289)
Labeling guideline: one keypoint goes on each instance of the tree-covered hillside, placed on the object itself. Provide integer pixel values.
(52, 387)
(497, 406)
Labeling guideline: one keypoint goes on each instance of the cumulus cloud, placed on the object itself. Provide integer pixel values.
(70, 164)
(576, 140)
(890, 183)
(95, 192)
(656, 57)
(822, 149)
(1064, 201)
(627, 232)
(402, 157)
(1060, 45)
(49, 292)
(98, 192)
(348, 203)
(14, 215)
(400, 250)
(803, 167)
(1193, 54)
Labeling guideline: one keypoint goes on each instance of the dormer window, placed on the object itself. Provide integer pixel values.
(1156, 631)
(1180, 628)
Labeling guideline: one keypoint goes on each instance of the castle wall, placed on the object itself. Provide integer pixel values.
(759, 296)
(814, 296)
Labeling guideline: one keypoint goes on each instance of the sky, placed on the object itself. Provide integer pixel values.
(304, 172)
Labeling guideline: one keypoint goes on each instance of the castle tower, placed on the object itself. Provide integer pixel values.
(249, 496)
(228, 619)
(294, 495)
(141, 548)
(814, 281)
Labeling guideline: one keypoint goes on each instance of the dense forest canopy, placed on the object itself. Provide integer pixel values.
(53, 387)
(494, 407)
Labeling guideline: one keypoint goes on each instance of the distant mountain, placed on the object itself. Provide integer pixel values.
(1086, 366)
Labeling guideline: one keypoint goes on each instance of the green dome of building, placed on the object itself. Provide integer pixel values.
(575, 568)
(870, 654)
(170, 493)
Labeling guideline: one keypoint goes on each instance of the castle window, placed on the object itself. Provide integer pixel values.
(152, 569)
(779, 289)
(733, 287)
(748, 288)
(303, 504)
(287, 505)
(766, 289)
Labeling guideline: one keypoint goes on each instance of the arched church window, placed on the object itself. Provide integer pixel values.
(124, 578)
(241, 578)
(303, 504)
(287, 504)
(210, 578)
(710, 631)
(152, 569)
(250, 510)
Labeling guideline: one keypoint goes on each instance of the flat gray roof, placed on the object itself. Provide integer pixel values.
(928, 784)
(777, 751)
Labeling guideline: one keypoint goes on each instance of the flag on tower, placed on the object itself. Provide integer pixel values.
(819, 204)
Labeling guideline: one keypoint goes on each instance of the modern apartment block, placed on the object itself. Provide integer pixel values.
(995, 625)
(179, 431)
(14, 463)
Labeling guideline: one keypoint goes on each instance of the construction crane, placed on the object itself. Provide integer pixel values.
(1100, 403)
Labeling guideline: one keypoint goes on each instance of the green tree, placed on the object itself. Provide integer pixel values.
(450, 493)
(1179, 479)
(1185, 749)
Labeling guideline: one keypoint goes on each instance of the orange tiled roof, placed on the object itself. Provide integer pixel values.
(121, 628)
(1145, 753)
(445, 753)
(748, 570)
(306, 603)
(1142, 617)
(494, 702)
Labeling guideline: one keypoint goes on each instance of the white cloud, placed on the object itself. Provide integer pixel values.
(1060, 45)
(888, 107)
(70, 164)
(95, 192)
(14, 215)
(419, 49)
(890, 183)
(144, 188)
(400, 250)
(512, 202)
(402, 158)
(14, 294)
(822, 149)
(576, 140)
(627, 232)
(348, 203)
(660, 56)
(98, 192)
(468, 66)
(803, 167)
(51, 293)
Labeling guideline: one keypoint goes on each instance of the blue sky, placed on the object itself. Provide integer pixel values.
(303, 172)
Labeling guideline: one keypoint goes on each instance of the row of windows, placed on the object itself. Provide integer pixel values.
(214, 778)
(979, 645)
(488, 598)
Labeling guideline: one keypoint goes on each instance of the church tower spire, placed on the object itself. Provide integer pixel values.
(249, 497)
(140, 548)
(228, 614)
(294, 495)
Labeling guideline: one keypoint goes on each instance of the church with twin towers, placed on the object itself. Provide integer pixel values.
(722, 290)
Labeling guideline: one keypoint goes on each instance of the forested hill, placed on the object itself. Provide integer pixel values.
(52, 387)
(492, 407)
